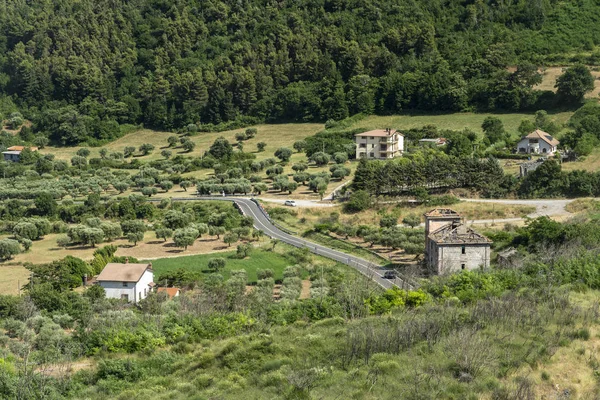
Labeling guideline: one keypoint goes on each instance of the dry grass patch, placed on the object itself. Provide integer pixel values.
(589, 163)
(307, 216)
(583, 205)
(456, 121)
(551, 74)
(13, 277)
(46, 250)
(275, 135)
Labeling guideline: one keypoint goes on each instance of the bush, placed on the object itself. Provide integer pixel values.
(216, 264)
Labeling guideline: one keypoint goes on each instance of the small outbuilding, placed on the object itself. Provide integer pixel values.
(127, 281)
(13, 153)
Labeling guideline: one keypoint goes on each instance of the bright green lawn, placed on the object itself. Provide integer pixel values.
(258, 259)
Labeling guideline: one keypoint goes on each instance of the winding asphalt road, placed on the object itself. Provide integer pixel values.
(263, 223)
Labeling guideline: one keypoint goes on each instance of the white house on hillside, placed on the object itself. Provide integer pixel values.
(380, 143)
(538, 142)
(130, 282)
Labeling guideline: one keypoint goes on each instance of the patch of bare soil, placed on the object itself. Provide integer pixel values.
(276, 292)
(305, 292)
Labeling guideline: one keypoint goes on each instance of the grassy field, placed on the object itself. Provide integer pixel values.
(551, 74)
(258, 259)
(588, 163)
(574, 366)
(306, 217)
(12, 277)
(275, 135)
(457, 121)
(46, 250)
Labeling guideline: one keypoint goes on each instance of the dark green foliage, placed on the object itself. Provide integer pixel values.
(574, 83)
(414, 58)
(61, 275)
(425, 169)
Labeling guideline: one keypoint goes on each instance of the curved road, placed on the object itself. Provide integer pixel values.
(263, 223)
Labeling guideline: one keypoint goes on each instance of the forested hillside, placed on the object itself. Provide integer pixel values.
(77, 69)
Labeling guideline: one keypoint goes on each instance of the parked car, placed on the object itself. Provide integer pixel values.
(290, 203)
(389, 274)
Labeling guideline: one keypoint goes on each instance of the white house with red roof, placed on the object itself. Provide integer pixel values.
(538, 142)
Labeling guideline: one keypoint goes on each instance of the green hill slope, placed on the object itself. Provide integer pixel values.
(80, 68)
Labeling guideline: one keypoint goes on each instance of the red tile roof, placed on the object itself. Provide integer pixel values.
(170, 291)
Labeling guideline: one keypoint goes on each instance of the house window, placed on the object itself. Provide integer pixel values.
(544, 150)
(371, 138)
(371, 154)
(140, 295)
(124, 284)
(125, 297)
(144, 292)
(382, 155)
(363, 145)
(383, 147)
(464, 250)
(462, 266)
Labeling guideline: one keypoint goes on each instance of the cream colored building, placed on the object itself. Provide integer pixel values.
(379, 144)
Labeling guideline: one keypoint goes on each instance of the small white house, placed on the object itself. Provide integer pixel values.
(130, 282)
(538, 142)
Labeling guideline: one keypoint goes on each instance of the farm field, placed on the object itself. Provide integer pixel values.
(258, 259)
(457, 121)
(305, 217)
(46, 250)
(11, 277)
(284, 135)
(275, 135)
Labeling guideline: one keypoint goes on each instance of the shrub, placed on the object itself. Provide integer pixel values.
(216, 264)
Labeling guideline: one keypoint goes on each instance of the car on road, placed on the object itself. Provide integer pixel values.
(290, 203)
(391, 274)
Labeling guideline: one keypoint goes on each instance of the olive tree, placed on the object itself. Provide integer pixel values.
(164, 233)
(188, 145)
(146, 148)
(128, 151)
(26, 230)
(185, 237)
(135, 237)
(283, 153)
(9, 248)
(216, 264)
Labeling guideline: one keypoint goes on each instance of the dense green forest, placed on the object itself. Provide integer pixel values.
(79, 69)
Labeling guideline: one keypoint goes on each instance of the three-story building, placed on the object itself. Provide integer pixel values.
(379, 144)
